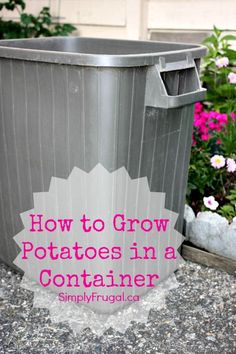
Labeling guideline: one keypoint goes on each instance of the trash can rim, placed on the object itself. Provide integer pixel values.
(22, 49)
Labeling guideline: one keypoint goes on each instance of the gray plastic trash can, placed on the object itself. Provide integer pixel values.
(118, 103)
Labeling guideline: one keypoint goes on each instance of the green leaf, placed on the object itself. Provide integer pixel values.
(211, 40)
(10, 6)
(20, 3)
(229, 37)
(227, 209)
(217, 31)
(26, 19)
(231, 54)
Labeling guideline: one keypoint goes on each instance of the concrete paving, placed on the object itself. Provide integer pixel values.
(199, 317)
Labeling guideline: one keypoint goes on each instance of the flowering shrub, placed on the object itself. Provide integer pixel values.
(212, 171)
(28, 25)
(218, 73)
(216, 128)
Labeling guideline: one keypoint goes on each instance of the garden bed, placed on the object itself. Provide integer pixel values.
(198, 255)
(210, 216)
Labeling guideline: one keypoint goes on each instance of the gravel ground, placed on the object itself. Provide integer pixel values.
(200, 317)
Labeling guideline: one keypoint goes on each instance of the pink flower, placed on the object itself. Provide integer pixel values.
(198, 107)
(212, 125)
(199, 122)
(222, 62)
(205, 137)
(232, 78)
(231, 165)
(217, 161)
(222, 118)
(210, 203)
(204, 129)
(205, 116)
(207, 123)
(213, 114)
(233, 115)
(218, 128)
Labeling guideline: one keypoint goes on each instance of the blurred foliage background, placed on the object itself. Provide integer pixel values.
(28, 25)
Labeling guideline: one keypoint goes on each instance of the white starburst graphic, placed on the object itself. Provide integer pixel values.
(99, 194)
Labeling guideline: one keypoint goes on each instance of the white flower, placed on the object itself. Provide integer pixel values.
(217, 161)
(232, 78)
(210, 203)
(222, 62)
(231, 165)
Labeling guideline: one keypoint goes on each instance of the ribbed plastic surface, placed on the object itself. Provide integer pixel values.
(55, 117)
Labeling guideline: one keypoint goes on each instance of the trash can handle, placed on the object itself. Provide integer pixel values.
(164, 80)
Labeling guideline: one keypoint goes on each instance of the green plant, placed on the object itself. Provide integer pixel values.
(215, 129)
(221, 94)
(29, 25)
(228, 210)
(227, 137)
(205, 180)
